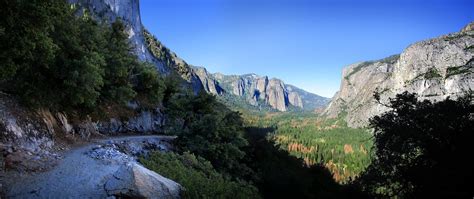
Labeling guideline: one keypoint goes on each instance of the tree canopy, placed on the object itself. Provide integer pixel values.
(422, 149)
(54, 59)
(207, 128)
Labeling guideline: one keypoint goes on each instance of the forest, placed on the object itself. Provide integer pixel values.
(345, 151)
(51, 58)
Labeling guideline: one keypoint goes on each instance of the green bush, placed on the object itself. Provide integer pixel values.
(197, 176)
(149, 85)
(432, 73)
(465, 69)
(207, 128)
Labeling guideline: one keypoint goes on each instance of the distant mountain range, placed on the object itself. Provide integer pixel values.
(249, 91)
(252, 91)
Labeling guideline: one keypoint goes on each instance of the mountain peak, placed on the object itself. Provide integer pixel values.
(468, 27)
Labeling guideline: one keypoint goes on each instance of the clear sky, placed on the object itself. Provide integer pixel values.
(303, 42)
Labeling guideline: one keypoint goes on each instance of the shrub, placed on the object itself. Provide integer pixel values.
(197, 176)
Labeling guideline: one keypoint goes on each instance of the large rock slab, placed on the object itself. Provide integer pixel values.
(135, 181)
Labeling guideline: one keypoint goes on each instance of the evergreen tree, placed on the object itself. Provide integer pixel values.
(26, 48)
(79, 63)
(148, 84)
(55, 59)
(205, 127)
(120, 64)
(419, 146)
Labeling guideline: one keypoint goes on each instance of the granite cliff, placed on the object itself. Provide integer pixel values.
(258, 92)
(434, 69)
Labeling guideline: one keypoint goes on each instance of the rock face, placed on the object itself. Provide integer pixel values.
(258, 91)
(20, 127)
(35, 130)
(209, 84)
(434, 69)
(144, 122)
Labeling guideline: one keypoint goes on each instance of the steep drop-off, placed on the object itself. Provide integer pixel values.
(434, 69)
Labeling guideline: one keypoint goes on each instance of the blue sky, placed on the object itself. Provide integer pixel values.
(303, 42)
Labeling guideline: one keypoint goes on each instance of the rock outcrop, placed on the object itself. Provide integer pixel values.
(434, 69)
(146, 121)
(209, 84)
(35, 131)
(21, 127)
(135, 181)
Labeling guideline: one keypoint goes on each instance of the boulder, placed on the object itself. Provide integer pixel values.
(135, 181)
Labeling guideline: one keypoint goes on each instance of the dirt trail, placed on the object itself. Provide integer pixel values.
(78, 175)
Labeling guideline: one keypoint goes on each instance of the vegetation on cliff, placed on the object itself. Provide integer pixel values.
(52, 58)
(169, 58)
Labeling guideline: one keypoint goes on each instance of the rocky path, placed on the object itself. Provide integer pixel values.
(104, 168)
